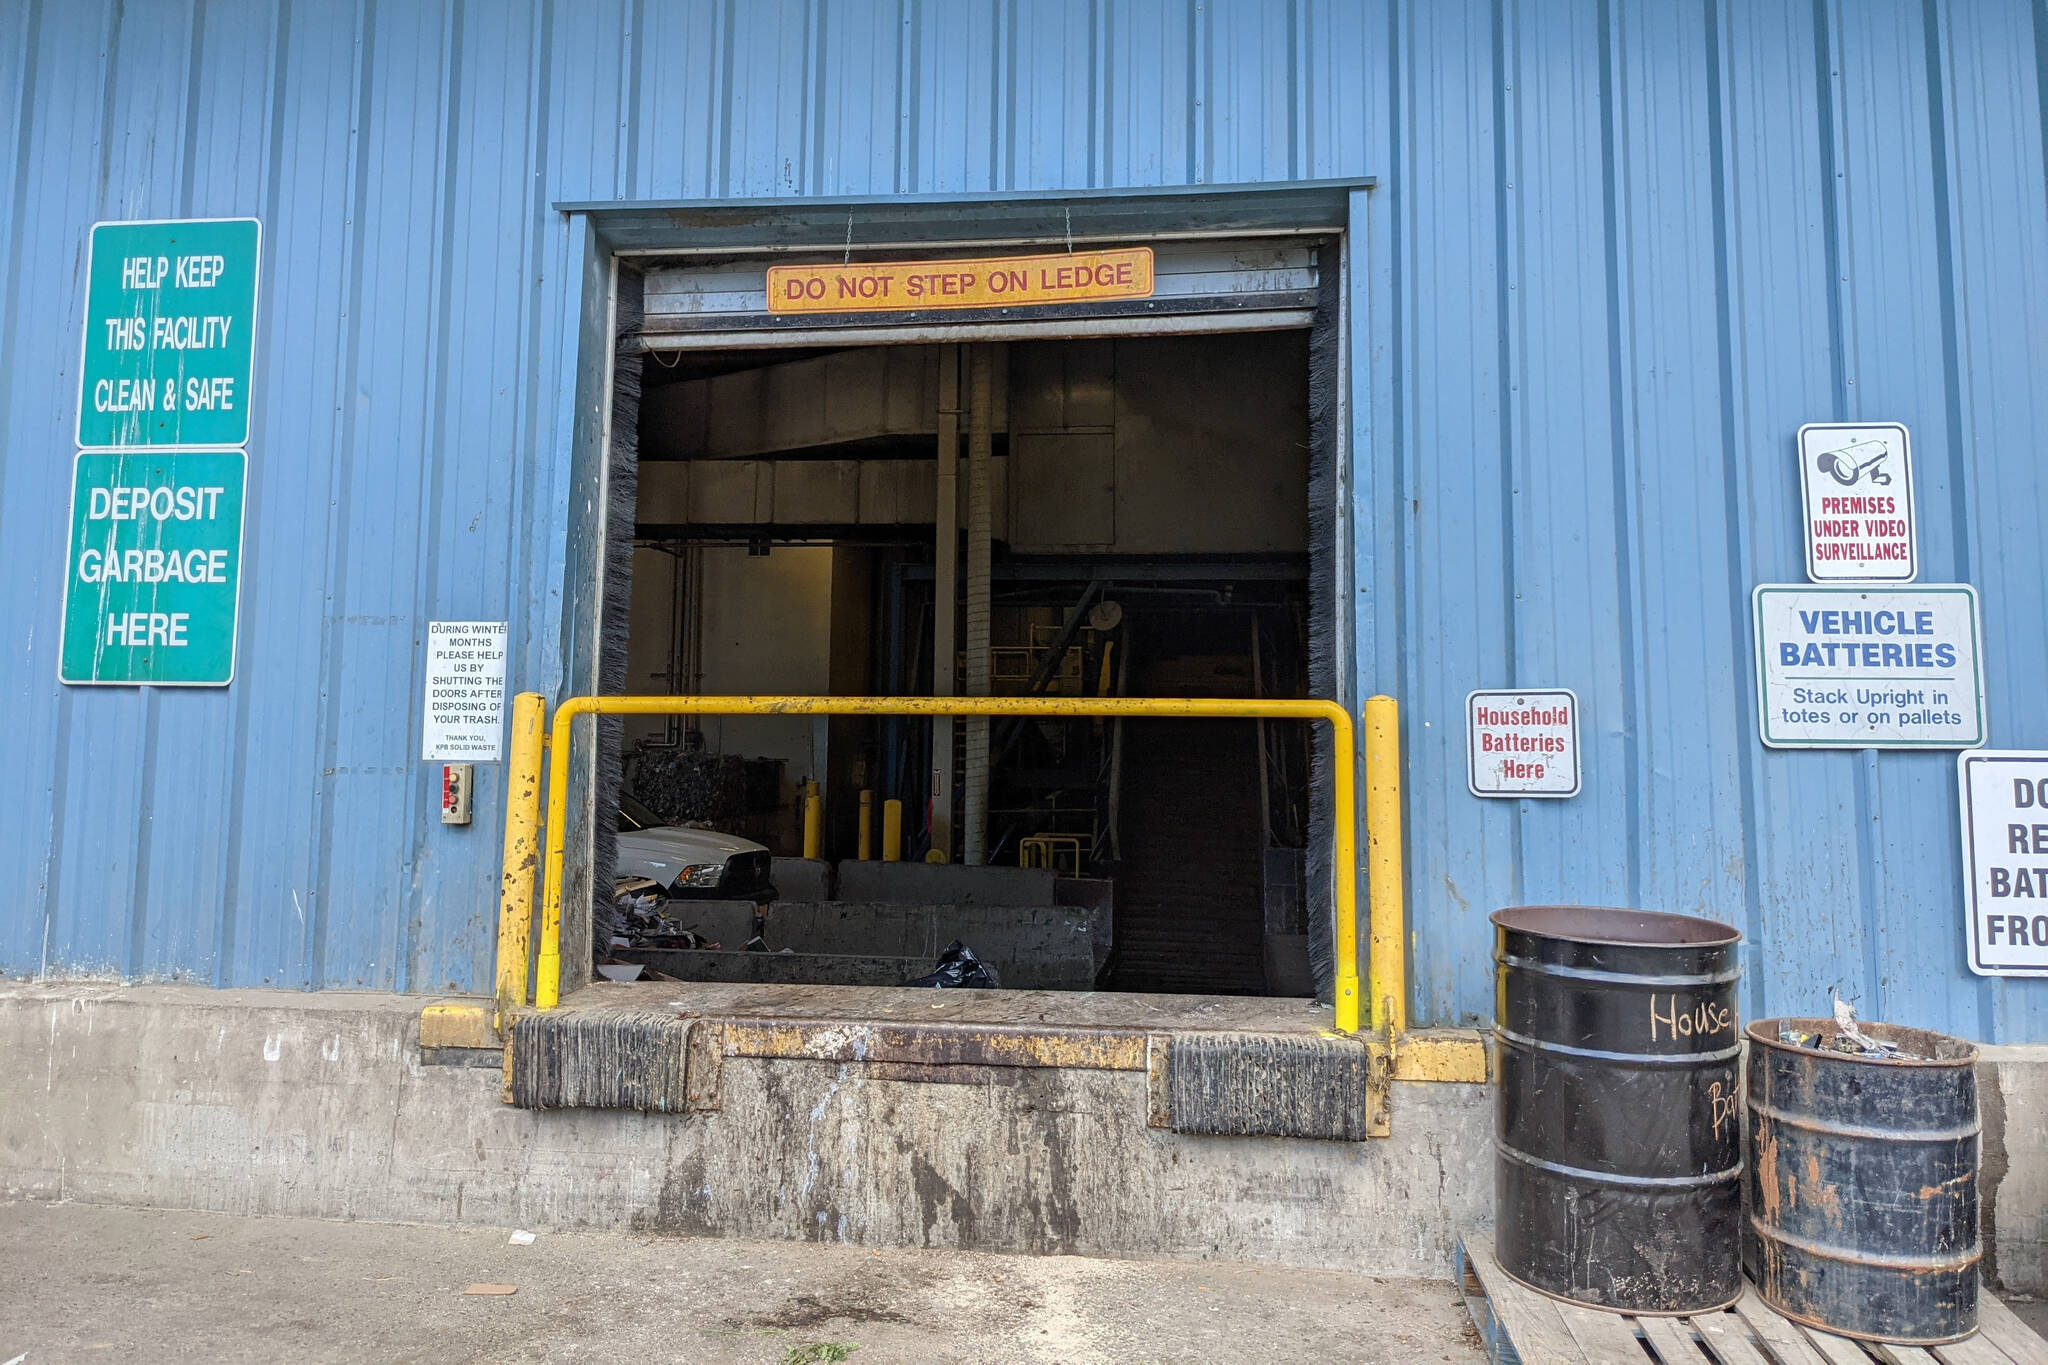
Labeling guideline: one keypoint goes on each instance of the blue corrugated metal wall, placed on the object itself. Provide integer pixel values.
(1618, 253)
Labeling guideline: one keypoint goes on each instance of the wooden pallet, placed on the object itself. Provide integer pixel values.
(1518, 1326)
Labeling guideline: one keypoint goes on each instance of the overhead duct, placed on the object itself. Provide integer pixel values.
(875, 396)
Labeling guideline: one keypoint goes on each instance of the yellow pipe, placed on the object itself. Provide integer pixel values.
(1344, 799)
(1383, 856)
(522, 845)
(866, 850)
(892, 831)
(814, 823)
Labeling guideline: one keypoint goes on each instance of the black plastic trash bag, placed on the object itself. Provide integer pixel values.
(959, 969)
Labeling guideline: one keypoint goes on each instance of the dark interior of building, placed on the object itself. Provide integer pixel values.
(1130, 519)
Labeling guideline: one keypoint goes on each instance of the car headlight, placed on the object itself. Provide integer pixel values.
(700, 875)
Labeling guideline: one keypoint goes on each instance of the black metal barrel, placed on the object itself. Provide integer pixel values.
(1862, 1184)
(1618, 1134)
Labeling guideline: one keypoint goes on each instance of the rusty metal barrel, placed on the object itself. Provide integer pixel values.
(1862, 1184)
(1618, 1151)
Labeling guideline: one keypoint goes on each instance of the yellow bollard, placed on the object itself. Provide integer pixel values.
(867, 825)
(1383, 880)
(892, 831)
(522, 851)
(814, 822)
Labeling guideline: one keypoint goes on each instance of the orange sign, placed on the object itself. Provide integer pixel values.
(999, 282)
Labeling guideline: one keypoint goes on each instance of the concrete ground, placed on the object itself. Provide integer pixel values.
(91, 1283)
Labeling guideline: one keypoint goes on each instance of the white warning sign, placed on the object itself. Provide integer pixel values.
(1856, 485)
(2005, 860)
(1868, 668)
(1522, 743)
(465, 715)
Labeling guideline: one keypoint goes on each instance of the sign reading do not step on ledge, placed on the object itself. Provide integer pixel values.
(995, 282)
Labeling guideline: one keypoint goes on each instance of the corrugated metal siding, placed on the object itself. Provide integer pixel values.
(1618, 253)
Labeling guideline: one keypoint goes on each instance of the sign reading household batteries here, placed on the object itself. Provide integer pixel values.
(465, 692)
(170, 332)
(1522, 743)
(1869, 668)
(1856, 486)
(2005, 860)
(153, 578)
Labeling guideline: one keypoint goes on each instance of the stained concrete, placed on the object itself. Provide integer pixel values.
(802, 879)
(2012, 1093)
(278, 1102)
(947, 883)
(318, 1105)
(85, 1283)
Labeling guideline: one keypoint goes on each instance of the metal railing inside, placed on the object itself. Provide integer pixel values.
(526, 834)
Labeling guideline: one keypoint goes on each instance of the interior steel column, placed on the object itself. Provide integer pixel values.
(945, 594)
(980, 529)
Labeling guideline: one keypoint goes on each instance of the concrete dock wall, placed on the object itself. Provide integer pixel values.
(318, 1104)
(279, 1102)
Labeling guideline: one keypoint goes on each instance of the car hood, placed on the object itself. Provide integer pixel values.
(663, 852)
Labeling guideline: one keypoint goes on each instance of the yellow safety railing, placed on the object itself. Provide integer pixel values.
(1388, 965)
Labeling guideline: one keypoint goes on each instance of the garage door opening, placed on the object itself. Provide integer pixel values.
(1132, 507)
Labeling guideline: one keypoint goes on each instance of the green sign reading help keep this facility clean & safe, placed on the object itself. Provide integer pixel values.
(170, 332)
(153, 584)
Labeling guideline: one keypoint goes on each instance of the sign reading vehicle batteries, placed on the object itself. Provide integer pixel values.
(1522, 743)
(1869, 667)
(2005, 860)
(1856, 486)
(154, 578)
(170, 332)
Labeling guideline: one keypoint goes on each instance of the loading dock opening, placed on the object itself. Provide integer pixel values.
(1096, 555)
(1131, 515)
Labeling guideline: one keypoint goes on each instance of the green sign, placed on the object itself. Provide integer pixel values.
(154, 577)
(170, 332)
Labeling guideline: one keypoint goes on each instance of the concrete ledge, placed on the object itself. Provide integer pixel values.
(2012, 1096)
(318, 1105)
(945, 884)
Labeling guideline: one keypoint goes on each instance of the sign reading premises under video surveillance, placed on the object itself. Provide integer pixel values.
(170, 332)
(1868, 667)
(1856, 489)
(153, 579)
(2005, 860)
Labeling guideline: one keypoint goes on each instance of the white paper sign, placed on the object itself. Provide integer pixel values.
(465, 703)
(1856, 486)
(1522, 743)
(2005, 860)
(1868, 668)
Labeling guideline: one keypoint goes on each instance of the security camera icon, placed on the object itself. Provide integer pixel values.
(1849, 465)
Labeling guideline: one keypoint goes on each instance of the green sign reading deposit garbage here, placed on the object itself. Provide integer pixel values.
(170, 333)
(154, 579)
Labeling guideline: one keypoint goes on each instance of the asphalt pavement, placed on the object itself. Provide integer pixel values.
(91, 1283)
